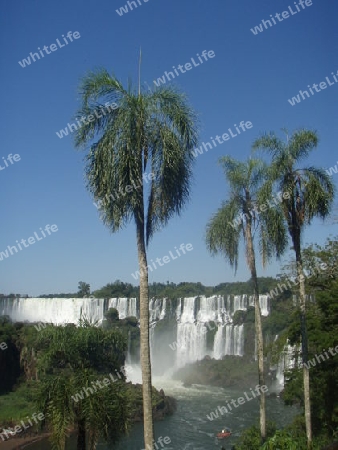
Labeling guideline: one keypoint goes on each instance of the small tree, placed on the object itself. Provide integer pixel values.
(72, 362)
(112, 315)
(84, 289)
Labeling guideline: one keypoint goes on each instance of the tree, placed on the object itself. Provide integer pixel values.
(152, 130)
(84, 289)
(311, 194)
(239, 216)
(322, 329)
(72, 362)
(112, 315)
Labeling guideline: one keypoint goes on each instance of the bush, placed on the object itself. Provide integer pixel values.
(251, 437)
(111, 315)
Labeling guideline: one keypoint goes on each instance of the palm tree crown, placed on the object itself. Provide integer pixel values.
(247, 193)
(311, 189)
(153, 131)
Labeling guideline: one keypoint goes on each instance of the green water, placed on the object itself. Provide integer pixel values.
(189, 428)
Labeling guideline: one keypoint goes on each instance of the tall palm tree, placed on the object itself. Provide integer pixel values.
(311, 195)
(154, 130)
(239, 216)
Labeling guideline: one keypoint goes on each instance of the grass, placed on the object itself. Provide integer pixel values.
(17, 405)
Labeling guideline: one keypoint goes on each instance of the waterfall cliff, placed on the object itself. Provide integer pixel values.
(189, 328)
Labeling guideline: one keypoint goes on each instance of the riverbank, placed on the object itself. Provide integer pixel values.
(19, 443)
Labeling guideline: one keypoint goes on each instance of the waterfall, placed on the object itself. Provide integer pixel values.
(263, 303)
(191, 343)
(287, 360)
(194, 317)
(202, 325)
(126, 307)
(52, 310)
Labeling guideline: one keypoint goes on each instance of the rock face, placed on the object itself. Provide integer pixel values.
(163, 405)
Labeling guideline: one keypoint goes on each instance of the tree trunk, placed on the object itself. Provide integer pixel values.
(81, 435)
(306, 375)
(258, 328)
(144, 337)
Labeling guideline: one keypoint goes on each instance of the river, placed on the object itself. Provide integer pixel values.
(189, 428)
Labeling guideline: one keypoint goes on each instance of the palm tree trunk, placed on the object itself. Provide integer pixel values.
(144, 337)
(258, 328)
(306, 375)
(81, 435)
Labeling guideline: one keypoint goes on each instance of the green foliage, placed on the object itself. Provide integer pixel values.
(247, 316)
(112, 315)
(283, 441)
(231, 371)
(322, 326)
(250, 439)
(71, 358)
(117, 289)
(153, 130)
(83, 289)
(9, 353)
(19, 404)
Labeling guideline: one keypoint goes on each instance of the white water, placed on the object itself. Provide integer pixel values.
(196, 317)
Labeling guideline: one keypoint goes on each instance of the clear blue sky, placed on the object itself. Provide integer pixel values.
(250, 78)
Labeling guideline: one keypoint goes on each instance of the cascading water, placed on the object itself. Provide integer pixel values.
(198, 326)
(127, 307)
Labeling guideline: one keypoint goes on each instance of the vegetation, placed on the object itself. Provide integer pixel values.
(310, 194)
(83, 289)
(224, 230)
(150, 130)
(322, 330)
(74, 360)
(231, 371)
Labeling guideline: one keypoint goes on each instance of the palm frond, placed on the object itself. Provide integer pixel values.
(223, 232)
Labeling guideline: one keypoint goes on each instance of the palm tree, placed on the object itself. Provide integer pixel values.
(311, 195)
(239, 216)
(103, 414)
(152, 130)
(72, 362)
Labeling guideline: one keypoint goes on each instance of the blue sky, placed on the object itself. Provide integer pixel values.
(250, 78)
